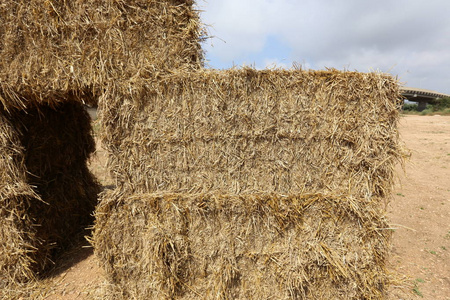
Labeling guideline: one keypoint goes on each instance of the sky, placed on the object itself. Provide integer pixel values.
(409, 39)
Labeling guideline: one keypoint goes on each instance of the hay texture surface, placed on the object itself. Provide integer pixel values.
(47, 193)
(257, 246)
(244, 131)
(246, 184)
(56, 49)
(14, 195)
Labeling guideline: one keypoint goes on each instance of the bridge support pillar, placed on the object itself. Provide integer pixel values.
(421, 106)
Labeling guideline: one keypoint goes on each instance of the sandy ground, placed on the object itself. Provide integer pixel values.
(419, 211)
(420, 208)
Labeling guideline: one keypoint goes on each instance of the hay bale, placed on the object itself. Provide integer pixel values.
(68, 49)
(14, 195)
(245, 184)
(55, 55)
(249, 246)
(243, 131)
(47, 193)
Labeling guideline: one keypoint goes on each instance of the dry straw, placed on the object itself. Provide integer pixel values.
(246, 184)
(68, 49)
(14, 194)
(243, 131)
(54, 55)
(231, 184)
(252, 246)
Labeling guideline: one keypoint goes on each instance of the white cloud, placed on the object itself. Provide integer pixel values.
(408, 38)
(238, 25)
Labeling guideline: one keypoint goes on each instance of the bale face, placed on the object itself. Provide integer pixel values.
(48, 194)
(246, 184)
(50, 49)
(15, 194)
(258, 246)
(243, 131)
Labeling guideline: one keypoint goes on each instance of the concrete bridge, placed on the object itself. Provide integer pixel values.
(421, 96)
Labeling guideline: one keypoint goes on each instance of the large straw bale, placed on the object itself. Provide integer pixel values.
(56, 49)
(248, 246)
(47, 193)
(244, 131)
(245, 184)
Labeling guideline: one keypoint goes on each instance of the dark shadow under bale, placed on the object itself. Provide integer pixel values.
(48, 194)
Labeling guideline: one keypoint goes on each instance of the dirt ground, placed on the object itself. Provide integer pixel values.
(420, 208)
(419, 212)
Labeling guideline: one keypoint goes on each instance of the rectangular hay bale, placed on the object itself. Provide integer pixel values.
(58, 49)
(249, 246)
(246, 184)
(243, 131)
(14, 194)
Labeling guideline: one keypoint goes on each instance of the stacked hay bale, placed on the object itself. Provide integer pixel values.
(54, 56)
(246, 184)
(49, 49)
(14, 193)
(240, 131)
